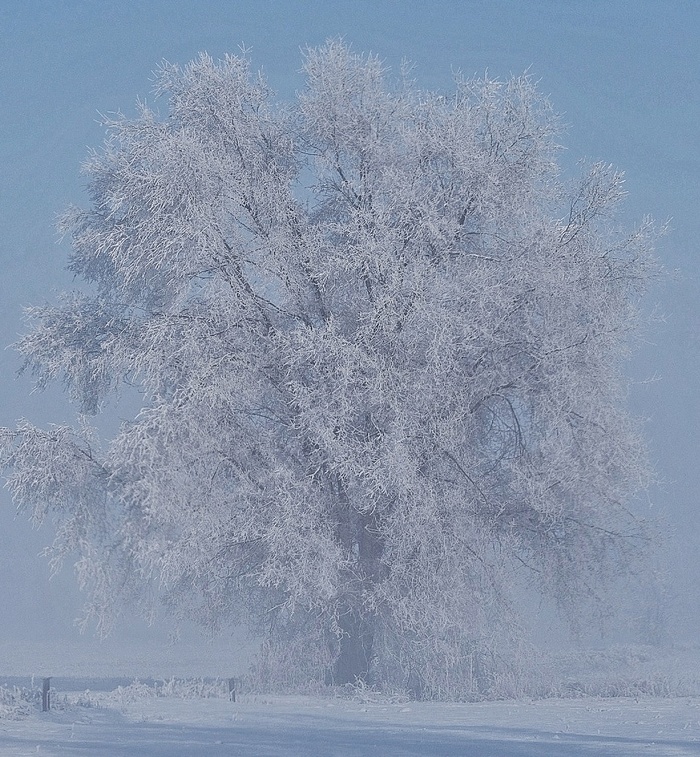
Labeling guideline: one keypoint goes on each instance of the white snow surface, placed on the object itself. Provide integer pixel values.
(264, 726)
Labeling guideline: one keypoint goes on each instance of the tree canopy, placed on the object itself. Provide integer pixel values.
(377, 346)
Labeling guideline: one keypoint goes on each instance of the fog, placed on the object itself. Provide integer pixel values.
(622, 72)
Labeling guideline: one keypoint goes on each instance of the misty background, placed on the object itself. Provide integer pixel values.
(623, 73)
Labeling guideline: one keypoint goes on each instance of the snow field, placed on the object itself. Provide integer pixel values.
(259, 726)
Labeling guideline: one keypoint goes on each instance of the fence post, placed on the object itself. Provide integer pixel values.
(46, 695)
(232, 689)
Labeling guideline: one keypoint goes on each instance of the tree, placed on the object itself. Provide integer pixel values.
(376, 344)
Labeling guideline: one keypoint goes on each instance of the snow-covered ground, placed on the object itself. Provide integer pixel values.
(274, 726)
(132, 720)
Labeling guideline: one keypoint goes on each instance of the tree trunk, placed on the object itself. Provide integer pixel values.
(355, 656)
(357, 625)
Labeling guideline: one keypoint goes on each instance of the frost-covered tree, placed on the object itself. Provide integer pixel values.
(376, 343)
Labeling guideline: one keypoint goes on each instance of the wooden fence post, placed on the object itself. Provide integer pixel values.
(46, 695)
(232, 689)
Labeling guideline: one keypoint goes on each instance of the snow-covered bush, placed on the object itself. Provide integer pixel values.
(176, 688)
(193, 688)
(17, 703)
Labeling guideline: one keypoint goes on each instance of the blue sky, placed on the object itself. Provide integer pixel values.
(623, 73)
